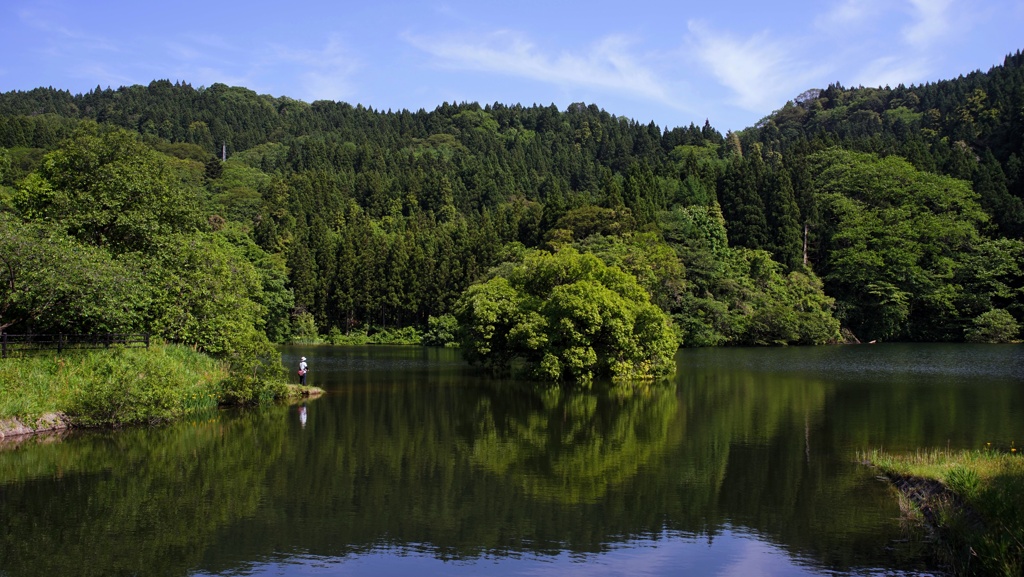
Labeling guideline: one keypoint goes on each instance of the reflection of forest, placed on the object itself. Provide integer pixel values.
(129, 502)
(571, 448)
(462, 471)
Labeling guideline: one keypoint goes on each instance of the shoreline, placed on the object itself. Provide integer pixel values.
(14, 430)
(13, 427)
(968, 502)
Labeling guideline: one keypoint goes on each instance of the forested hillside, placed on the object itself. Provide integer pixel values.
(894, 213)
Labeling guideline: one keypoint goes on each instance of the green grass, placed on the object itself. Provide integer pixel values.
(979, 521)
(117, 386)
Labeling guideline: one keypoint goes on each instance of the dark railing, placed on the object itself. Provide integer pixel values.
(11, 344)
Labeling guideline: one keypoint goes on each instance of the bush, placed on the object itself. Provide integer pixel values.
(256, 373)
(304, 329)
(138, 386)
(402, 336)
(241, 389)
(994, 326)
(356, 337)
(442, 331)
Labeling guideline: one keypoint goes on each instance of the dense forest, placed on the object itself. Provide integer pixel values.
(219, 217)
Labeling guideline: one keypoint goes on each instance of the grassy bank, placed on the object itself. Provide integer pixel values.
(972, 500)
(120, 386)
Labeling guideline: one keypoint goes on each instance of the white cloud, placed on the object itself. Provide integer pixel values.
(202, 47)
(203, 60)
(184, 52)
(933, 22)
(892, 71)
(326, 86)
(608, 65)
(847, 13)
(930, 21)
(324, 74)
(207, 76)
(101, 75)
(762, 73)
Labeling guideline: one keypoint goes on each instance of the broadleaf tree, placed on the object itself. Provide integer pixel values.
(567, 317)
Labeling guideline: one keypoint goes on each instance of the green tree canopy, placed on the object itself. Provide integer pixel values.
(568, 317)
(50, 281)
(109, 189)
(899, 247)
(205, 293)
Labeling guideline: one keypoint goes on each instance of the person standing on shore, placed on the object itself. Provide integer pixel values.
(303, 369)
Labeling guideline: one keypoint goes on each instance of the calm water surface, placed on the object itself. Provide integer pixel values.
(414, 463)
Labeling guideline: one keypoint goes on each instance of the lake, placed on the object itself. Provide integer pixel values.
(413, 462)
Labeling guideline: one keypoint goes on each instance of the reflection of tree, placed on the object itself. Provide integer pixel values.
(572, 447)
(781, 440)
(429, 457)
(131, 502)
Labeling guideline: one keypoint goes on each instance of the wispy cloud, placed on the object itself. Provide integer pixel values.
(208, 75)
(81, 55)
(316, 73)
(102, 74)
(607, 65)
(874, 59)
(205, 47)
(933, 22)
(52, 33)
(929, 21)
(760, 71)
(892, 71)
(325, 73)
(847, 13)
(205, 59)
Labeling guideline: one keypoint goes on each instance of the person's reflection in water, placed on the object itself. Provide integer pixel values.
(302, 415)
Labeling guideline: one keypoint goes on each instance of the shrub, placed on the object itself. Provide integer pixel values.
(240, 389)
(402, 336)
(304, 329)
(994, 326)
(140, 386)
(442, 331)
(256, 372)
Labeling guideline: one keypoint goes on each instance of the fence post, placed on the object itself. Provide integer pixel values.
(147, 340)
(60, 343)
(3, 337)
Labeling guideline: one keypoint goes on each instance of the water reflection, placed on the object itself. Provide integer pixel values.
(570, 448)
(734, 555)
(414, 462)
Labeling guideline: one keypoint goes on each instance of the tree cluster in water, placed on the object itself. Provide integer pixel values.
(895, 213)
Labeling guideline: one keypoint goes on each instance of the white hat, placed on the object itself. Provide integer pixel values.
(303, 358)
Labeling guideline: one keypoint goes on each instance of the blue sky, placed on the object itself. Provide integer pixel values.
(672, 63)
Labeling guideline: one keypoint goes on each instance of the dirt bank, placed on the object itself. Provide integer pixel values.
(10, 428)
